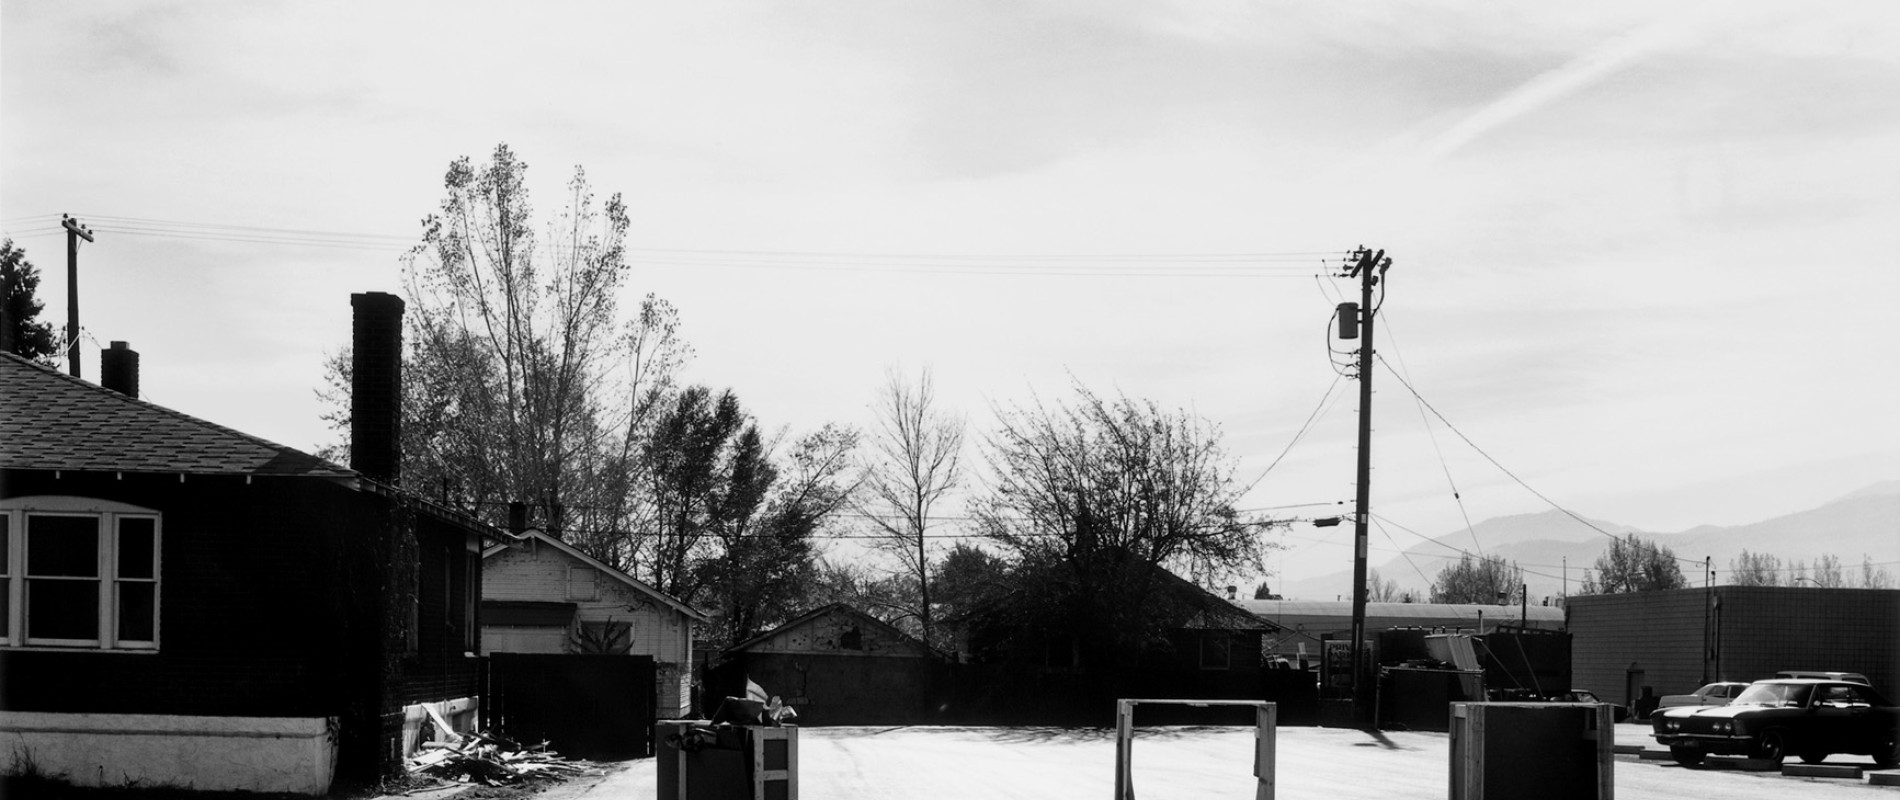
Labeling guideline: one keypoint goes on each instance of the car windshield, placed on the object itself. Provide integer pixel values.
(1774, 694)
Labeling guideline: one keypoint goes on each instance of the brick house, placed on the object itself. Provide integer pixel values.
(187, 605)
(541, 595)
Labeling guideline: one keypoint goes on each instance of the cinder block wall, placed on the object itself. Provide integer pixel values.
(1752, 631)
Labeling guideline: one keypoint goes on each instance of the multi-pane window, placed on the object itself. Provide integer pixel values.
(78, 573)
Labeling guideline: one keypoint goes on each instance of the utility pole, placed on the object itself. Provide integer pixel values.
(1368, 268)
(74, 232)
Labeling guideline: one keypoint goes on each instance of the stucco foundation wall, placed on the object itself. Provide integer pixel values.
(294, 755)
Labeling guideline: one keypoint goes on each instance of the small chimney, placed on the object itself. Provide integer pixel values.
(119, 369)
(517, 517)
(376, 386)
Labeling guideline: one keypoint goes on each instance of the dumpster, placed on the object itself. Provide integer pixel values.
(702, 760)
(1550, 751)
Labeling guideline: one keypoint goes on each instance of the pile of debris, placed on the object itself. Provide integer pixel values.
(475, 758)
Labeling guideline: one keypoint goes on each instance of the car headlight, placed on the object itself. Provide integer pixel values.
(1674, 725)
(1724, 726)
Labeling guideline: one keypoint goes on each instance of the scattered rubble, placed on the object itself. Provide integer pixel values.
(481, 759)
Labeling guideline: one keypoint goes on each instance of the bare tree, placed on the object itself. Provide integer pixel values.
(1380, 589)
(914, 462)
(1093, 497)
(1874, 577)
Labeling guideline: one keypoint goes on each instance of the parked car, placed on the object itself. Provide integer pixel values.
(1617, 713)
(1772, 719)
(1714, 694)
(1850, 677)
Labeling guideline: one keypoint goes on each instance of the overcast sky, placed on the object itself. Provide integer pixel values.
(1643, 253)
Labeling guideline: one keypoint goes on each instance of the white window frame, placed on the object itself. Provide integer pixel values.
(107, 515)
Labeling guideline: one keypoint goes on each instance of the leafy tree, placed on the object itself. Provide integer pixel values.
(707, 473)
(1476, 579)
(968, 578)
(1633, 564)
(1262, 591)
(914, 460)
(1094, 498)
(1754, 569)
(522, 382)
(20, 331)
(759, 579)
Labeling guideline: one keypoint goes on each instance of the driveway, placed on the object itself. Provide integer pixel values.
(954, 763)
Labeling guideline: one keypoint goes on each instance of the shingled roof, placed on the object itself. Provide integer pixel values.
(53, 421)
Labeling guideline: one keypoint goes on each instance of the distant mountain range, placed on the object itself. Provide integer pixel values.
(1865, 523)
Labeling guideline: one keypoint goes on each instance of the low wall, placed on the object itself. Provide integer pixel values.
(294, 755)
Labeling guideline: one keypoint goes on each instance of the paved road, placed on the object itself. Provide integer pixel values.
(949, 763)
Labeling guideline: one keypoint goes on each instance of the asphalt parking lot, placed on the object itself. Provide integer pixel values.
(954, 763)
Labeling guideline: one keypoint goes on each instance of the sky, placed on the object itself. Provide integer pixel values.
(1641, 252)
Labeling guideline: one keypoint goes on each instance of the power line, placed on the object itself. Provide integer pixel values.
(1325, 402)
(1248, 265)
(1433, 436)
(1501, 468)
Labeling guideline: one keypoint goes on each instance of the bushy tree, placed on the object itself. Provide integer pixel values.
(1828, 573)
(1093, 499)
(1634, 564)
(706, 473)
(968, 578)
(761, 576)
(1477, 579)
(1754, 569)
(21, 332)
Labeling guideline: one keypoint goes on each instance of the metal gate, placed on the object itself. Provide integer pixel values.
(586, 706)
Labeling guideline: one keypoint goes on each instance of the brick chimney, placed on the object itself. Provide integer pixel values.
(376, 386)
(119, 369)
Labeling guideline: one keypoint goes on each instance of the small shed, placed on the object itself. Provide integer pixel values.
(835, 665)
(543, 595)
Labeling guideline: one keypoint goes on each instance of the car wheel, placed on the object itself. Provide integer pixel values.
(1888, 756)
(1686, 756)
(1772, 747)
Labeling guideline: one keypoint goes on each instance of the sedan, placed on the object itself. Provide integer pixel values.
(1773, 719)
(1714, 694)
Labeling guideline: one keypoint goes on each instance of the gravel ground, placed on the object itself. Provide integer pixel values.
(954, 763)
